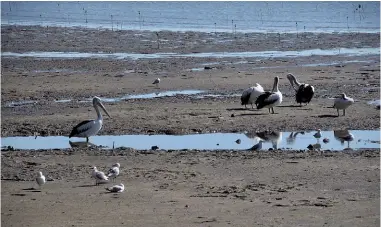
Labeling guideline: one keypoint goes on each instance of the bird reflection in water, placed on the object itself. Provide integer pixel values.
(267, 136)
(291, 138)
(343, 135)
(81, 144)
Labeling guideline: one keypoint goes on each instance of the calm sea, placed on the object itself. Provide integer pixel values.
(199, 16)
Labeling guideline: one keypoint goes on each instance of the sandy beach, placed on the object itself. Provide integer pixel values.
(186, 188)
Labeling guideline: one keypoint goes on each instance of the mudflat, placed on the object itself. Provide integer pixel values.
(187, 188)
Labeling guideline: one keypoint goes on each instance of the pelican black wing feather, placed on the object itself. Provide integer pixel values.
(77, 129)
(304, 94)
(245, 99)
(263, 100)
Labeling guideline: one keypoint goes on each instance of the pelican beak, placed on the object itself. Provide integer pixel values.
(104, 109)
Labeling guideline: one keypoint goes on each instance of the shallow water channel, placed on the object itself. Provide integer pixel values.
(338, 140)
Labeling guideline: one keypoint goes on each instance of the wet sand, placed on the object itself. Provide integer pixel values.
(187, 188)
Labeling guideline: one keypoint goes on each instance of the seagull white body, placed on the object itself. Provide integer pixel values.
(270, 99)
(317, 135)
(304, 92)
(90, 127)
(113, 172)
(116, 188)
(98, 175)
(40, 179)
(156, 81)
(251, 94)
(342, 103)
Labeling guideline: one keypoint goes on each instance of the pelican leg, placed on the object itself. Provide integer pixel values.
(87, 139)
(252, 107)
(338, 114)
(343, 112)
(272, 108)
(269, 110)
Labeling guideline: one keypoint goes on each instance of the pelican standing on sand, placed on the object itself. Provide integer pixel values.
(90, 127)
(342, 103)
(250, 95)
(270, 99)
(157, 81)
(304, 92)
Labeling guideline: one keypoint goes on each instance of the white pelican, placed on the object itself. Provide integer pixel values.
(113, 172)
(304, 92)
(156, 81)
(270, 99)
(342, 103)
(317, 135)
(251, 94)
(98, 175)
(90, 127)
(116, 188)
(40, 179)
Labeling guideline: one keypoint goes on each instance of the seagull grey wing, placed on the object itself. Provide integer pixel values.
(81, 127)
(115, 188)
(101, 176)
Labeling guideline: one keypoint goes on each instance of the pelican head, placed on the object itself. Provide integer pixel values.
(97, 101)
(342, 95)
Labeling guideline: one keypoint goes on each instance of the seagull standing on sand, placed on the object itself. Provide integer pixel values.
(342, 103)
(40, 179)
(270, 99)
(157, 81)
(98, 175)
(116, 188)
(113, 172)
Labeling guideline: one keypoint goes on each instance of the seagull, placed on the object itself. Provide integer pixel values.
(40, 179)
(113, 172)
(342, 103)
(270, 99)
(90, 127)
(304, 92)
(317, 135)
(257, 146)
(98, 175)
(251, 94)
(116, 188)
(157, 81)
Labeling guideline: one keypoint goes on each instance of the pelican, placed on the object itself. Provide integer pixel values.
(251, 94)
(343, 135)
(156, 81)
(304, 92)
(40, 179)
(270, 99)
(90, 127)
(342, 103)
(113, 172)
(98, 175)
(116, 188)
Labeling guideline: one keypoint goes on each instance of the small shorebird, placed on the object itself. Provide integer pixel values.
(156, 81)
(304, 92)
(98, 175)
(113, 172)
(90, 127)
(40, 179)
(116, 188)
(270, 99)
(317, 135)
(251, 94)
(342, 103)
(257, 146)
